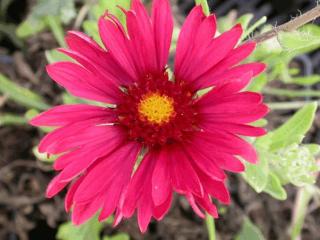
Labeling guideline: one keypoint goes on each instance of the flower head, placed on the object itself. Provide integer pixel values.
(186, 141)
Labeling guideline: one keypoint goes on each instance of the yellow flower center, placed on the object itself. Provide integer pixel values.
(156, 108)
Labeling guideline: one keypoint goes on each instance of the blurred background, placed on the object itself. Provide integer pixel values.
(31, 29)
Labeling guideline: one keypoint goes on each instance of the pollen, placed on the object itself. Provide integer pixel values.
(156, 108)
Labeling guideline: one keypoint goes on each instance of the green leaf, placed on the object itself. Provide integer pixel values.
(244, 20)
(294, 129)
(295, 164)
(30, 27)
(44, 157)
(249, 232)
(9, 119)
(308, 80)
(91, 28)
(120, 236)
(274, 188)
(257, 174)
(36, 22)
(53, 56)
(304, 40)
(251, 29)
(113, 8)
(89, 230)
(9, 30)
(258, 83)
(56, 28)
(205, 6)
(21, 95)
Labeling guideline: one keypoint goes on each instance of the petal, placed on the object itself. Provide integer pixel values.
(82, 83)
(163, 26)
(186, 38)
(115, 167)
(220, 73)
(218, 49)
(115, 40)
(75, 135)
(184, 177)
(68, 114)
(161, 184)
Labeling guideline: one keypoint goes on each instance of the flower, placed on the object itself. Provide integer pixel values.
(185, 141)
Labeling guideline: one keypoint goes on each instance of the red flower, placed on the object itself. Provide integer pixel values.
(186, 142)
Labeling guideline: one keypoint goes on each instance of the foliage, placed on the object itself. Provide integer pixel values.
(249, 232)
(44, 13)
(283, 157)
(90, 230)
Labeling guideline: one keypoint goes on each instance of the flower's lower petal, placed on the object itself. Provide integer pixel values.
(194, 205)
(184, 177)
(83, 212)
(115, 167)
(207, 205)
(161, 210)
(161, 183)
(68, 202)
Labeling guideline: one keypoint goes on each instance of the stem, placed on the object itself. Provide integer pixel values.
(291, 93)
(289, 105)
(289, 26)
(302, 200)
(57, 30)
(211, 227)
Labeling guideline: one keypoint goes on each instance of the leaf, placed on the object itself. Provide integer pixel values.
(89, 230)
(249, 232)
(44, 157)
(8, 119)
(21, 95)
(205, 6)
(120, 236)
(53, 56)
(244, 20)
(9, 30)
(30, 27)
(257, 174)
(274, 188)
(301, 41)
(295, 164)
(91, 28)
(307, 80)
(113, 8)
(253, 27)
(294, 129)
(258, 83)
(36, 22)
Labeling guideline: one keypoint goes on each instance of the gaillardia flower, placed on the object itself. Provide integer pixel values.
(156, 134)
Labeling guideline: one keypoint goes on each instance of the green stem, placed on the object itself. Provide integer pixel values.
(289, 105)
(12, 119)
(57, 29)
(211, 227)
(291, 93)
(303, 198)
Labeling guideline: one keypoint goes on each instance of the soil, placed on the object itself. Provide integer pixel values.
(26, 214)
